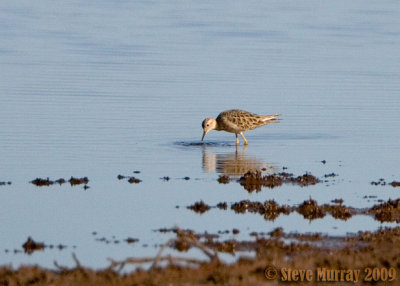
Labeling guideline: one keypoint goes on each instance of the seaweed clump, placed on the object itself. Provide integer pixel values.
(310, 210)
(269, 209)
(254, 180)
(388, 211)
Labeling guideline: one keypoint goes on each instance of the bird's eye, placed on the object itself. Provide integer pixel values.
(208, 125)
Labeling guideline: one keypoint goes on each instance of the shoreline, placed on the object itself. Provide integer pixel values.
(279, 258)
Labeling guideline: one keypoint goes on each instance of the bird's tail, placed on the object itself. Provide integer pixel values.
(271, 118)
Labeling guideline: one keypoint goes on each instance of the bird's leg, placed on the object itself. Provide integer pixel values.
(237, 139)
(244, 139)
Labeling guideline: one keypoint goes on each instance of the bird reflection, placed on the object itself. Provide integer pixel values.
(235, 164)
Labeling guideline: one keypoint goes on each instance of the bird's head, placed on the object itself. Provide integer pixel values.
(208, 124)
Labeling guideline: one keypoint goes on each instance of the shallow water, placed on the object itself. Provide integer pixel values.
(104, 89)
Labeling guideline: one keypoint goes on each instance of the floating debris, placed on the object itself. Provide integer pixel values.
(395, 184)
(382, 182)
(47, 182)
(248, 206)
(77, 181)
(131, 240)
(134, 180)
(330, 175)
(30, 246)
(309, 209)
(222, 206)
(42, 182)
(306, 180)
(130, 179)
(5, 183)
(60, 181)
(164, 230)
(61, 246)
(166, 178)
(337, 201)
(103, 239)
(199, 207)
(223, 179)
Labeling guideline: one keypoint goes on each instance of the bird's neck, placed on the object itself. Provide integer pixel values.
(217, 127)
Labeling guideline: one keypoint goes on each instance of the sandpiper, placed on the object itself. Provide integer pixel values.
(237, 121)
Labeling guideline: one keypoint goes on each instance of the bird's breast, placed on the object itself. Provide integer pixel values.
(224, 125)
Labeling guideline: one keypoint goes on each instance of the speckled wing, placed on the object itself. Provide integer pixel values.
(237, 121)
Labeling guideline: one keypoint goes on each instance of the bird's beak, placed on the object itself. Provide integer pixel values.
(204, 134)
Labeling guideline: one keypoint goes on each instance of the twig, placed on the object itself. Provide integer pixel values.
(66, 269)
(195, 242)
(61, 268)
(78, 264)
(169, 258)
(158, 257)
(212, 255)
(182, 236)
